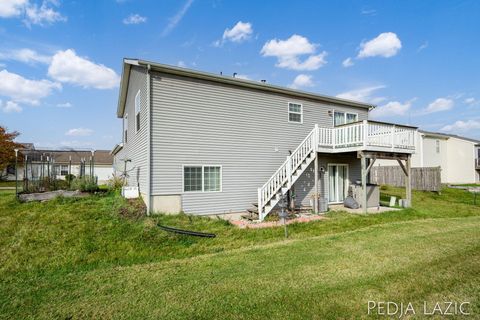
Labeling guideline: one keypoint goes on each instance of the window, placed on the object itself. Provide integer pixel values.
(202, 178)
(340, 118)
(295, 113)
(125, 128)
(63, 170)
(137, 111)
(211, 177)
(437, 146)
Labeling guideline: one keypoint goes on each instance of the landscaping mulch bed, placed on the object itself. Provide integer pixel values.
(246, 224)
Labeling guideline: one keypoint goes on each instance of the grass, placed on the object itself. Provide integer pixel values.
(8, 183)
(79, 258)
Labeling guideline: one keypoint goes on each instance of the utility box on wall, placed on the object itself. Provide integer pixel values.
(373, 194)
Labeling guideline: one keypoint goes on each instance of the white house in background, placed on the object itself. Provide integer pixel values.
(477, 160)
(457, 156)
(62, 163)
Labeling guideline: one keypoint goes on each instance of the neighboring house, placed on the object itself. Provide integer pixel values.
(456, 156)
(477, 161)
(210, 144)
(62, 163)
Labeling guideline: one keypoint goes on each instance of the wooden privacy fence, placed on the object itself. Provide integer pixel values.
(426, 179)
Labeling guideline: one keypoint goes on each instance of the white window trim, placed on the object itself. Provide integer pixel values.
(203, 177)
(344, 115)
(137, 127)
(347, 185)
(63, 165)
(300, 113)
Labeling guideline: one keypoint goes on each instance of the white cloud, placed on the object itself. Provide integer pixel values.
(32, 13)
(64, 105)
(471, 101)
(175, 20)
(242, 76)
(347, 62)
(42, 15)
(12, 8)
(385, 45)
(134, 19)
(79, 132)
(369, 12)
(25, 55)
(423, 46)
(440, 104)
(363, 94)
(181, 64)
(288, 51)
(462, 126)
(302, 81)
(67, 67)
(10, 106)
(240, 32)
(392, 108)
(20, 89)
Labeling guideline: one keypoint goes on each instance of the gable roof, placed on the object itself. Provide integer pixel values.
(63, 156)
(446, 136)
(128, 63)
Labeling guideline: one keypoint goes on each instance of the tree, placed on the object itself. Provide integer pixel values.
(7, 148)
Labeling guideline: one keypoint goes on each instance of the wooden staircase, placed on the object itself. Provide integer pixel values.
(284, 178)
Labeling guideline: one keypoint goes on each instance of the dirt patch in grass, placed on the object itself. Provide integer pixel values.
(133, 209)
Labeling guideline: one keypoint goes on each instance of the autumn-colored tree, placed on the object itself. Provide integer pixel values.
(7, 148)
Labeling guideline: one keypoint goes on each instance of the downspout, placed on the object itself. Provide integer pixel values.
(149, 143)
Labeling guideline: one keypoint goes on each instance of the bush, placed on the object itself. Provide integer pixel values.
(69, 178)
(116, 182)
(85, 184)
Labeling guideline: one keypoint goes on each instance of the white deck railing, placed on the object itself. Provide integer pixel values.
(368, 134)
(362, 135)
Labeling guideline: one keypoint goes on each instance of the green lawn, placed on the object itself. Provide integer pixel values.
(9, 183)
(79, 258)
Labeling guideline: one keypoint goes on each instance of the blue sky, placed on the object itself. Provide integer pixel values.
(60, 61)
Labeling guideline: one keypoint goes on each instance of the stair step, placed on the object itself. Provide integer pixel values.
(250, 216)
(255, 204)
(253, 210)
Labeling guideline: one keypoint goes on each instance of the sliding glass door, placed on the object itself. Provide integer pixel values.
(337, 182)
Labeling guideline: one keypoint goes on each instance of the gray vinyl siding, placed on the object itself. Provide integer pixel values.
(136, 146)
(246, 131)
(304, 187)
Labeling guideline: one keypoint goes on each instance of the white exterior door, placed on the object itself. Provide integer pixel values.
(337, 182)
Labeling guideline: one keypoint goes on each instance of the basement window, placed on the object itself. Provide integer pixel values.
(295, 112)
(137, 111)
(202, 178)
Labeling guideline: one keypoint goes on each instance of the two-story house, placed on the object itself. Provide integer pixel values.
(204, 143)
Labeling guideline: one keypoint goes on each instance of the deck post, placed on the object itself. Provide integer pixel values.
(315, 204)
(408, 181)
(364, 182)
(259, 204)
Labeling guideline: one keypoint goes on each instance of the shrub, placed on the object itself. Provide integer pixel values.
(116, 182)
(69, 178)
(85, 184)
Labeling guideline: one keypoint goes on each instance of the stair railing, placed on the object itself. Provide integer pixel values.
(284, 174)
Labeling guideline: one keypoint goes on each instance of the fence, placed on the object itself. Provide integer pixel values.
(426, 179)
